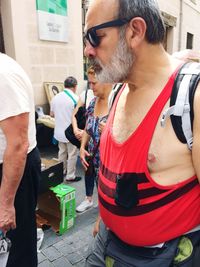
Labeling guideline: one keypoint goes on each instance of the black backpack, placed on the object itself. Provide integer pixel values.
(181, 102)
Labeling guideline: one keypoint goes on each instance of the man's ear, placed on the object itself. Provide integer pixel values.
(136, 31)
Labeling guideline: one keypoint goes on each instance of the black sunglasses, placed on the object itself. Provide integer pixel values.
(91, 34)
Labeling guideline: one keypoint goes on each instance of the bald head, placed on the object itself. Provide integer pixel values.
(146, 9)
(101, 3)
(101, 11)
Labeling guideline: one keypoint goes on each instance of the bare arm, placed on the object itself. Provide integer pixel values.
(83, 152)
(52, 108)
(96, 225)
(78, 132)
(16, 132)
(196, 133)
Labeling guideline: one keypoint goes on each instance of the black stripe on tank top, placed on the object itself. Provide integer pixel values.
(142, 193)
(112, 176)
(142, 209)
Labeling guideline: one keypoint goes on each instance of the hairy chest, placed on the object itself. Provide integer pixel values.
(164, 149)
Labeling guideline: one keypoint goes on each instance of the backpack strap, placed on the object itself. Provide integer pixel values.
(181, 102)
(115, 90)
(74, 101)
(86, 94)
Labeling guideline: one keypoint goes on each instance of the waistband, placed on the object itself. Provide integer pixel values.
(160, 245)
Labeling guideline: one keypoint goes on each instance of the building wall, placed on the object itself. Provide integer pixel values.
(187, 21)
(191, 19)
(54, 61)
(42, 60)
(171, 8)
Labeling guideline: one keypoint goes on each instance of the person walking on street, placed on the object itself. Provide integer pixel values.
(62, 106)
(20, 164)
(148, 179)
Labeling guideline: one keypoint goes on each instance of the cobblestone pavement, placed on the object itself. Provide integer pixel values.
(70, 248)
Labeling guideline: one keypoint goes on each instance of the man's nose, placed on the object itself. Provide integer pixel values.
(89, 50)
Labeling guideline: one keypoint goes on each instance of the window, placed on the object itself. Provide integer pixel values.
(189, 44)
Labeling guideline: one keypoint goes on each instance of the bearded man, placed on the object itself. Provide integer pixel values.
(149, 192)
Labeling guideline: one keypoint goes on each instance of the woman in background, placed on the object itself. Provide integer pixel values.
(96, 117)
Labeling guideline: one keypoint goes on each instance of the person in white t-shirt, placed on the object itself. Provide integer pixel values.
(62, 106)
(20, 164)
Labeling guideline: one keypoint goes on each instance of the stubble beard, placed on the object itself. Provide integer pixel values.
(118, 68)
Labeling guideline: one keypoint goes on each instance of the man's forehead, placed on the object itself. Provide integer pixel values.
(101, 11)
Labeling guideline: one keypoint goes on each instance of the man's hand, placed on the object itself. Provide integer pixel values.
(7, 219)
(96, 226)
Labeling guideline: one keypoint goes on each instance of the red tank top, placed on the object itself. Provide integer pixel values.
(163, 212)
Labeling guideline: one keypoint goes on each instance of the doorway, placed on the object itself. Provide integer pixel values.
(2, 47)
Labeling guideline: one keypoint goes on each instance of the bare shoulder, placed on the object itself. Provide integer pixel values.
(196, 133)
(197, 108)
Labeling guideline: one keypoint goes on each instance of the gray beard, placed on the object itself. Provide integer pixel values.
(118, 68)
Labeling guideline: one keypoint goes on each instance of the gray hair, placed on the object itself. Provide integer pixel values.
(149, 11)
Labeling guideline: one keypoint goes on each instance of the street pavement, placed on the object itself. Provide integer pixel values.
(69, 249)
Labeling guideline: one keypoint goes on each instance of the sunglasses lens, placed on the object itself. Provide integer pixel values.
(93, 38)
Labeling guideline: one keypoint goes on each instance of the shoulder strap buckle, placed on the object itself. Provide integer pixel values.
(181, 102)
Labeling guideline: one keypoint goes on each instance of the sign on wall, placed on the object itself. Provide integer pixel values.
(52, 20)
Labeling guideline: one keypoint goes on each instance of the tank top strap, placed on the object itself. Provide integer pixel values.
(158, 105)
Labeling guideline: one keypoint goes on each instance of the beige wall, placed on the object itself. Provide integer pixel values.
(42, 60)
(190, 19)
(54, 61)
(171, 8)
(191, 23)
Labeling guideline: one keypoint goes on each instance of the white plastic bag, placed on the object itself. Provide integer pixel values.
(5, 245)
(40, 237)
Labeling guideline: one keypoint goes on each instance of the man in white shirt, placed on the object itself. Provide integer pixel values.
(20, 164)
(62, 106)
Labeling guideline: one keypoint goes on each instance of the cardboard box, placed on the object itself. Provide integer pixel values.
(52, 174)
(57, 206)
